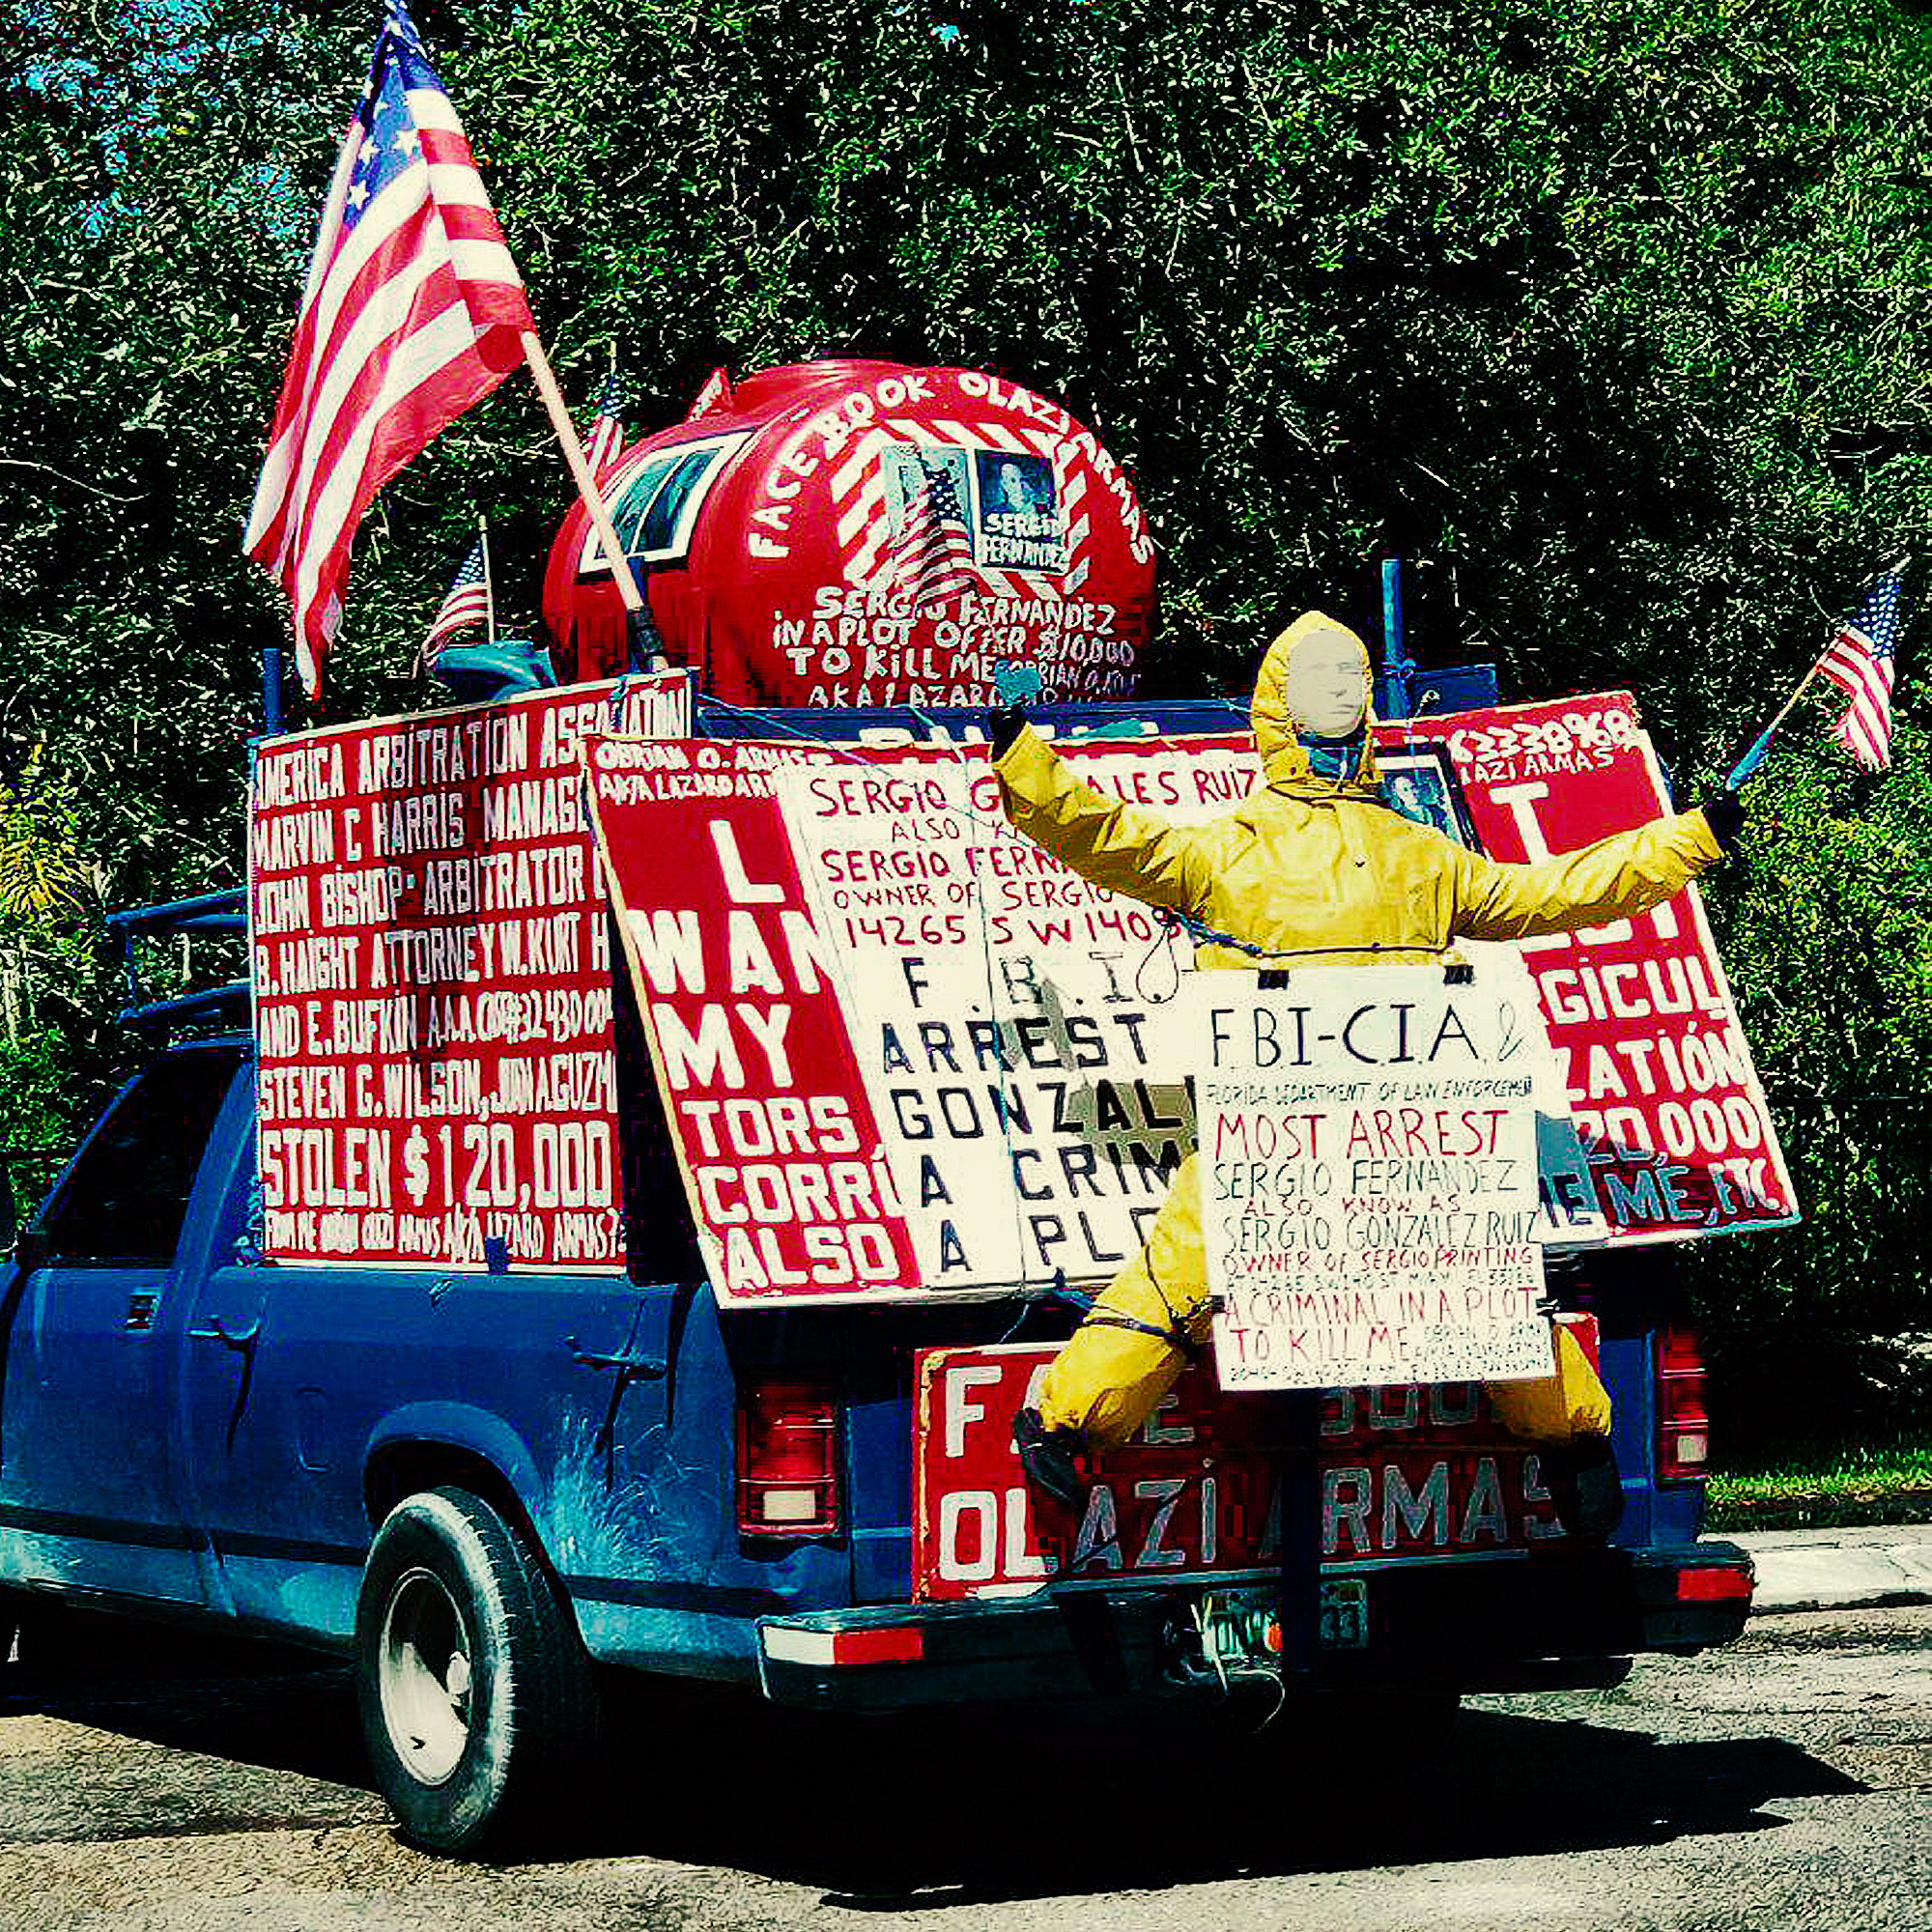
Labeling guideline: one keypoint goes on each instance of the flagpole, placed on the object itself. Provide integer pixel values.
(1761, 743)
(488, 588)
(586, 484)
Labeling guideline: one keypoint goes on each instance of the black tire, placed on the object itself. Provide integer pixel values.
(478, 1702)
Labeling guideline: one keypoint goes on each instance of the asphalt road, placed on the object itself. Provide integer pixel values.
(1784, 1784)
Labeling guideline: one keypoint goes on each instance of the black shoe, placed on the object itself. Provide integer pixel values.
(1585, 1487)
(1046, 1454)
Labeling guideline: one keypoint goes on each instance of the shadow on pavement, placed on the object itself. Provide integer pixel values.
(907, 1812)
(902, 1813)
(247, 1736)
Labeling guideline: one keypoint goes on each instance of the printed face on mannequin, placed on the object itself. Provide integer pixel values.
(1327, 690)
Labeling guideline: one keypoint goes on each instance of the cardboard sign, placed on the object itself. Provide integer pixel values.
(433, 1005)
(1010, 1021)
(1407, 1474)
(1368, 1173)
(1661, 1079)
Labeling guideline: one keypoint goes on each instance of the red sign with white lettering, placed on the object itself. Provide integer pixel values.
(779, 1148)
(429, 951)
(1662, 1083)
(1407, 1474)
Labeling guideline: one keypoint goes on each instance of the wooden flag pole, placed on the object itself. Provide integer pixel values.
(579, 469)
(1798, 693)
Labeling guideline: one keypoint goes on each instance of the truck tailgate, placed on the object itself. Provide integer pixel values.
(1409, 1476)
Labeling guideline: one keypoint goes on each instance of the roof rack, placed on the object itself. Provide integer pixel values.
(206, 911)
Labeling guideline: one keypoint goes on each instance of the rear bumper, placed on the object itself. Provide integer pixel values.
(1537, 1622)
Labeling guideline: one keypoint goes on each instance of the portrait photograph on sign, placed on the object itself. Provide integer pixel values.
(1016, 522)
(1420, 782)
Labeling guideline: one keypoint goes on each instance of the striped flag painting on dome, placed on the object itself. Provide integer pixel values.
(604, 443)
(413, 312)
(931, 555)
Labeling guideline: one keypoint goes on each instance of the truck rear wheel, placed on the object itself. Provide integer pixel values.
(475, 1694)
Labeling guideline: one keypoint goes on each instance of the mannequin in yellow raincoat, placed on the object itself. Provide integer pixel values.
(1312, 869)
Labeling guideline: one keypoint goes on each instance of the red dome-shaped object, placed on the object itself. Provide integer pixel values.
(863, 533)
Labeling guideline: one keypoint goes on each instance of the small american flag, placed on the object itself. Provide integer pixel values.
(604, 443)
(467, 605)
(932, 555)
(1859, 661)
(413, 312)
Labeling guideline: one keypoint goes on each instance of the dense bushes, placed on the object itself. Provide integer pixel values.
(1600, 311)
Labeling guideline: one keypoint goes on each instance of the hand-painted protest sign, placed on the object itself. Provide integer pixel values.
(1010, 1019)
(968, 1027)
(432, 985)
(1368, 1171)
(780, 1152)
(1013, 1081)
(1661, 1079)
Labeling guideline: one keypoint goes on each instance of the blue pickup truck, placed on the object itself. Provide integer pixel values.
(488, 1487)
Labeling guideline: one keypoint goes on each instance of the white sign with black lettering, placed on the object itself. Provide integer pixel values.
(1011, 1022)
(1369, 1177)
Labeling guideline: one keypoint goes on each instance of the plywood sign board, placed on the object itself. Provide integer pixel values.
(433, 998)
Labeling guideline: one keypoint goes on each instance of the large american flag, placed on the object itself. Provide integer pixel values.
(467, 605)
(930, 558)
(413, 310)
(1859, 661)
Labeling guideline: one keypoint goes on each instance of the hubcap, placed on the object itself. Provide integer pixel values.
(424, 1676)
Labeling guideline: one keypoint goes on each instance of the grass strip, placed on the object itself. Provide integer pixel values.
(1835, 1487)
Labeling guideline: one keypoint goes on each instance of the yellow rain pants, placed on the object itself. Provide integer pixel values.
(1313, 871)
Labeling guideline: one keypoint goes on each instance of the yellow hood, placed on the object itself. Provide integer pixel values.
(1284, 759)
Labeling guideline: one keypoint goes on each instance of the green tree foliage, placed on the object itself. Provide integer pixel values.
(1826, 928)
(1601, 312)
(46, 910)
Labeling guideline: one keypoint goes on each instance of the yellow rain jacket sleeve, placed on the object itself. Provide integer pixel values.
(1121, 847)
(1626, 873)
(1319, 868)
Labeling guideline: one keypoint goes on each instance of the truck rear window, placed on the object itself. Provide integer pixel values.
(654, 505)
(127, 1197)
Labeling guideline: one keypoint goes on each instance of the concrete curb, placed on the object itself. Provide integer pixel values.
(1839, 1569)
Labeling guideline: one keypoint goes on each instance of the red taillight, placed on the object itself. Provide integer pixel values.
(1683, 1424)
(788, 1459)
(1713, 1586)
